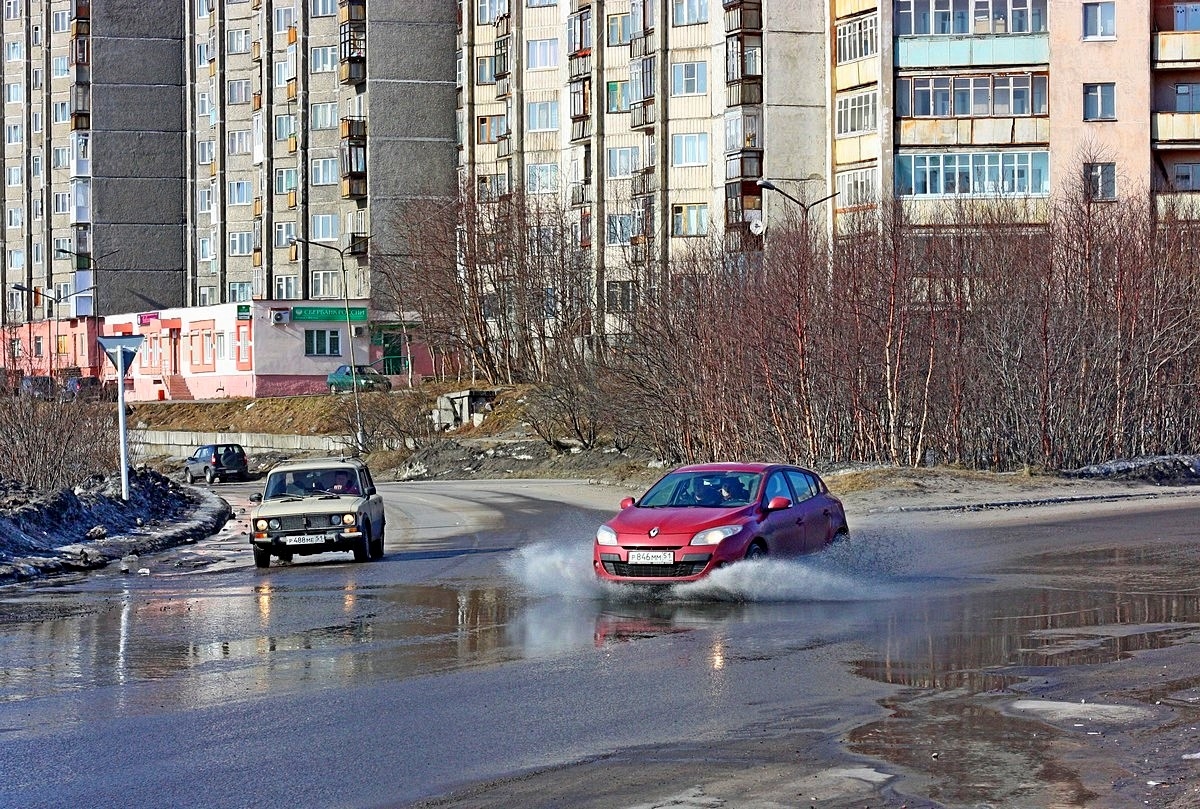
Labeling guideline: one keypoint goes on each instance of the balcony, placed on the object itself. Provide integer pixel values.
(81, 10)
(644, 183)
(294, 250)
(579, 66)
(503, 88)
(1175, 130)
(81, 120)
(504, 146)
(256, 101)
(743, 15)
(352, 71)
(359, 244)
(744, 91)
(293, 198)
(257, 257)
(354, 129)
(503, 26)
(293, 143)
(581, 194)
(212, 168)
(581, 129)
(353, 52)
(293, 90)
(644, 44)
(258, 206)
(744, 165)
(354, 185)
(352, 11)
(642, 115)
(1175, 50)
(81, 27)
(256, 51)
(968, 50)
(580, 5)
(256, 4)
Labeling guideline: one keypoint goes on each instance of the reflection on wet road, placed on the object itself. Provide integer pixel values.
(495, 583)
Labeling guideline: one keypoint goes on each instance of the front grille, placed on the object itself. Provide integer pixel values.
(300, 522)
(676, 571)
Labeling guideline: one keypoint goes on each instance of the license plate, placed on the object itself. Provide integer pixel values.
(306, 540)
(651, 558)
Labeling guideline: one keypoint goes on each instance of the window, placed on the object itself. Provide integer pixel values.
(1099, 20)
(490, 128)
(323, 116)
(284, 233)
(541, 116)
(1099, 102)
(238, 91)
(689, 220)
(324, 8)
(689, 78)
(285, 126)
(618, 96)
(925, 17)
(204, 152)
(282, 71)
(541, 178)
(971, 96)
(287, 287)
(1187, 98)
(689, 149)
(324, 228)
(13, 134)
(206, 296)
(743, 56)
(60, 21)
(204, 197)
(858, 39)
(238, 141)
(325, 284)
(204, 248)
(622, 161)
(620, 296)
(1187, 177)
(240, 192)
(60, 157)
(12, 9)
(857, 187)
(857, 113)
(485, 70)
(619, 30)
(202, 104)
(323, 59)
(541, 54)
(322, 343)
(285, 180)
(15, 51)
(15, 218)
(284, 16)
(540, 3)
(14, 93)
(973, 174)
(241, 242)
(488, 10)
(689, 12)
(1101, 181)
(325, 171)
(13, 175)
(238, 40)
(59, 67)
(238, 291)
(620, 227)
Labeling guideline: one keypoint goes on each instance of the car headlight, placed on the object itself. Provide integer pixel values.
(274, 524)
(713, 536)
(606, 536)
(260, 525)
(347, 519)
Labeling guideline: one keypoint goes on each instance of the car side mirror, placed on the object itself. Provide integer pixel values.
(256, 497)
(778, 503)
(626, 503)
(370, 491)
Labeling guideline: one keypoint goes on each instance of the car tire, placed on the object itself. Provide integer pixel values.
(209, 477)
(188, 477)
(285, 557)
(262, 558)
(362, 551)
(377, 546)
(757, 550)
(333, 389)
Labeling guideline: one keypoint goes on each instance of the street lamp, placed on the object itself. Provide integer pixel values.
(54, 323)
(359, 437)
(804, 206)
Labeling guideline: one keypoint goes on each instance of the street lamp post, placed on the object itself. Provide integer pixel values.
(804, 206)
(54, 322)
(359, 437)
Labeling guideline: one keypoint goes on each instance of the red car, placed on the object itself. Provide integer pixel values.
(699, 518)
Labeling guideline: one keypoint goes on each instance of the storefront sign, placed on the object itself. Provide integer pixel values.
(243, 311)
(146, 317)
(325, 313)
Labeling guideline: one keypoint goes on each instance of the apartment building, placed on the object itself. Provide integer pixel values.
(651, 120)
(312, 124)
(93, 175)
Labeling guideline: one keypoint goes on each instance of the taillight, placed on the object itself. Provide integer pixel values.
(214, 458)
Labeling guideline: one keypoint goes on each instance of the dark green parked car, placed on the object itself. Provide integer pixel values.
(367, 376)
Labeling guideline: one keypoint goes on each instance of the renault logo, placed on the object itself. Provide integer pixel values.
(654, 531)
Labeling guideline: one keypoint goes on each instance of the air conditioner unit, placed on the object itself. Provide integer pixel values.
(281, 316)
(360, 331)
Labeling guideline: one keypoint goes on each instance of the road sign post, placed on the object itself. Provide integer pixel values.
(121, 351)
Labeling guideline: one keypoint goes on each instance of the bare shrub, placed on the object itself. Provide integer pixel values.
(55, 445)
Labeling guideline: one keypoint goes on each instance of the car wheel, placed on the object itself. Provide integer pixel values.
(208, 475)
(262, 558)
(377, 546)
(188, 477)
(757, 550)
(285, 557)
(333, 389)
(362, 551)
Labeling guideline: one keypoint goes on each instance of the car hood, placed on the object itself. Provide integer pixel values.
(312, 504)
(672, 523)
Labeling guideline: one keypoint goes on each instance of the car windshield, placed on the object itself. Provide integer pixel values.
(703, 490)
(303, 482)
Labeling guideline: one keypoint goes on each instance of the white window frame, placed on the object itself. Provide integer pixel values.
(689, 149)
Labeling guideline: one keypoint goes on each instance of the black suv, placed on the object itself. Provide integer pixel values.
(216, 462)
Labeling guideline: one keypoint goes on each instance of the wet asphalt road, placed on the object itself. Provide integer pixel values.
(479, 664)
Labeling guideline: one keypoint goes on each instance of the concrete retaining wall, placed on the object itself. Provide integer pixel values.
(181, 444)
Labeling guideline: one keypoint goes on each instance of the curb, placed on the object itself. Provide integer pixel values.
(1043, 501)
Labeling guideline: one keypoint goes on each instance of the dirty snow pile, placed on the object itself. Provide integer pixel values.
(1164, 470)
(90, 525)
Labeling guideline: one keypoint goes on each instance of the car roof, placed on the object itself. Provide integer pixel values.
(318, 463)
(735, 467)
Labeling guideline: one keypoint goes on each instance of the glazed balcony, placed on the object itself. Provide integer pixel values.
(1175, 50)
